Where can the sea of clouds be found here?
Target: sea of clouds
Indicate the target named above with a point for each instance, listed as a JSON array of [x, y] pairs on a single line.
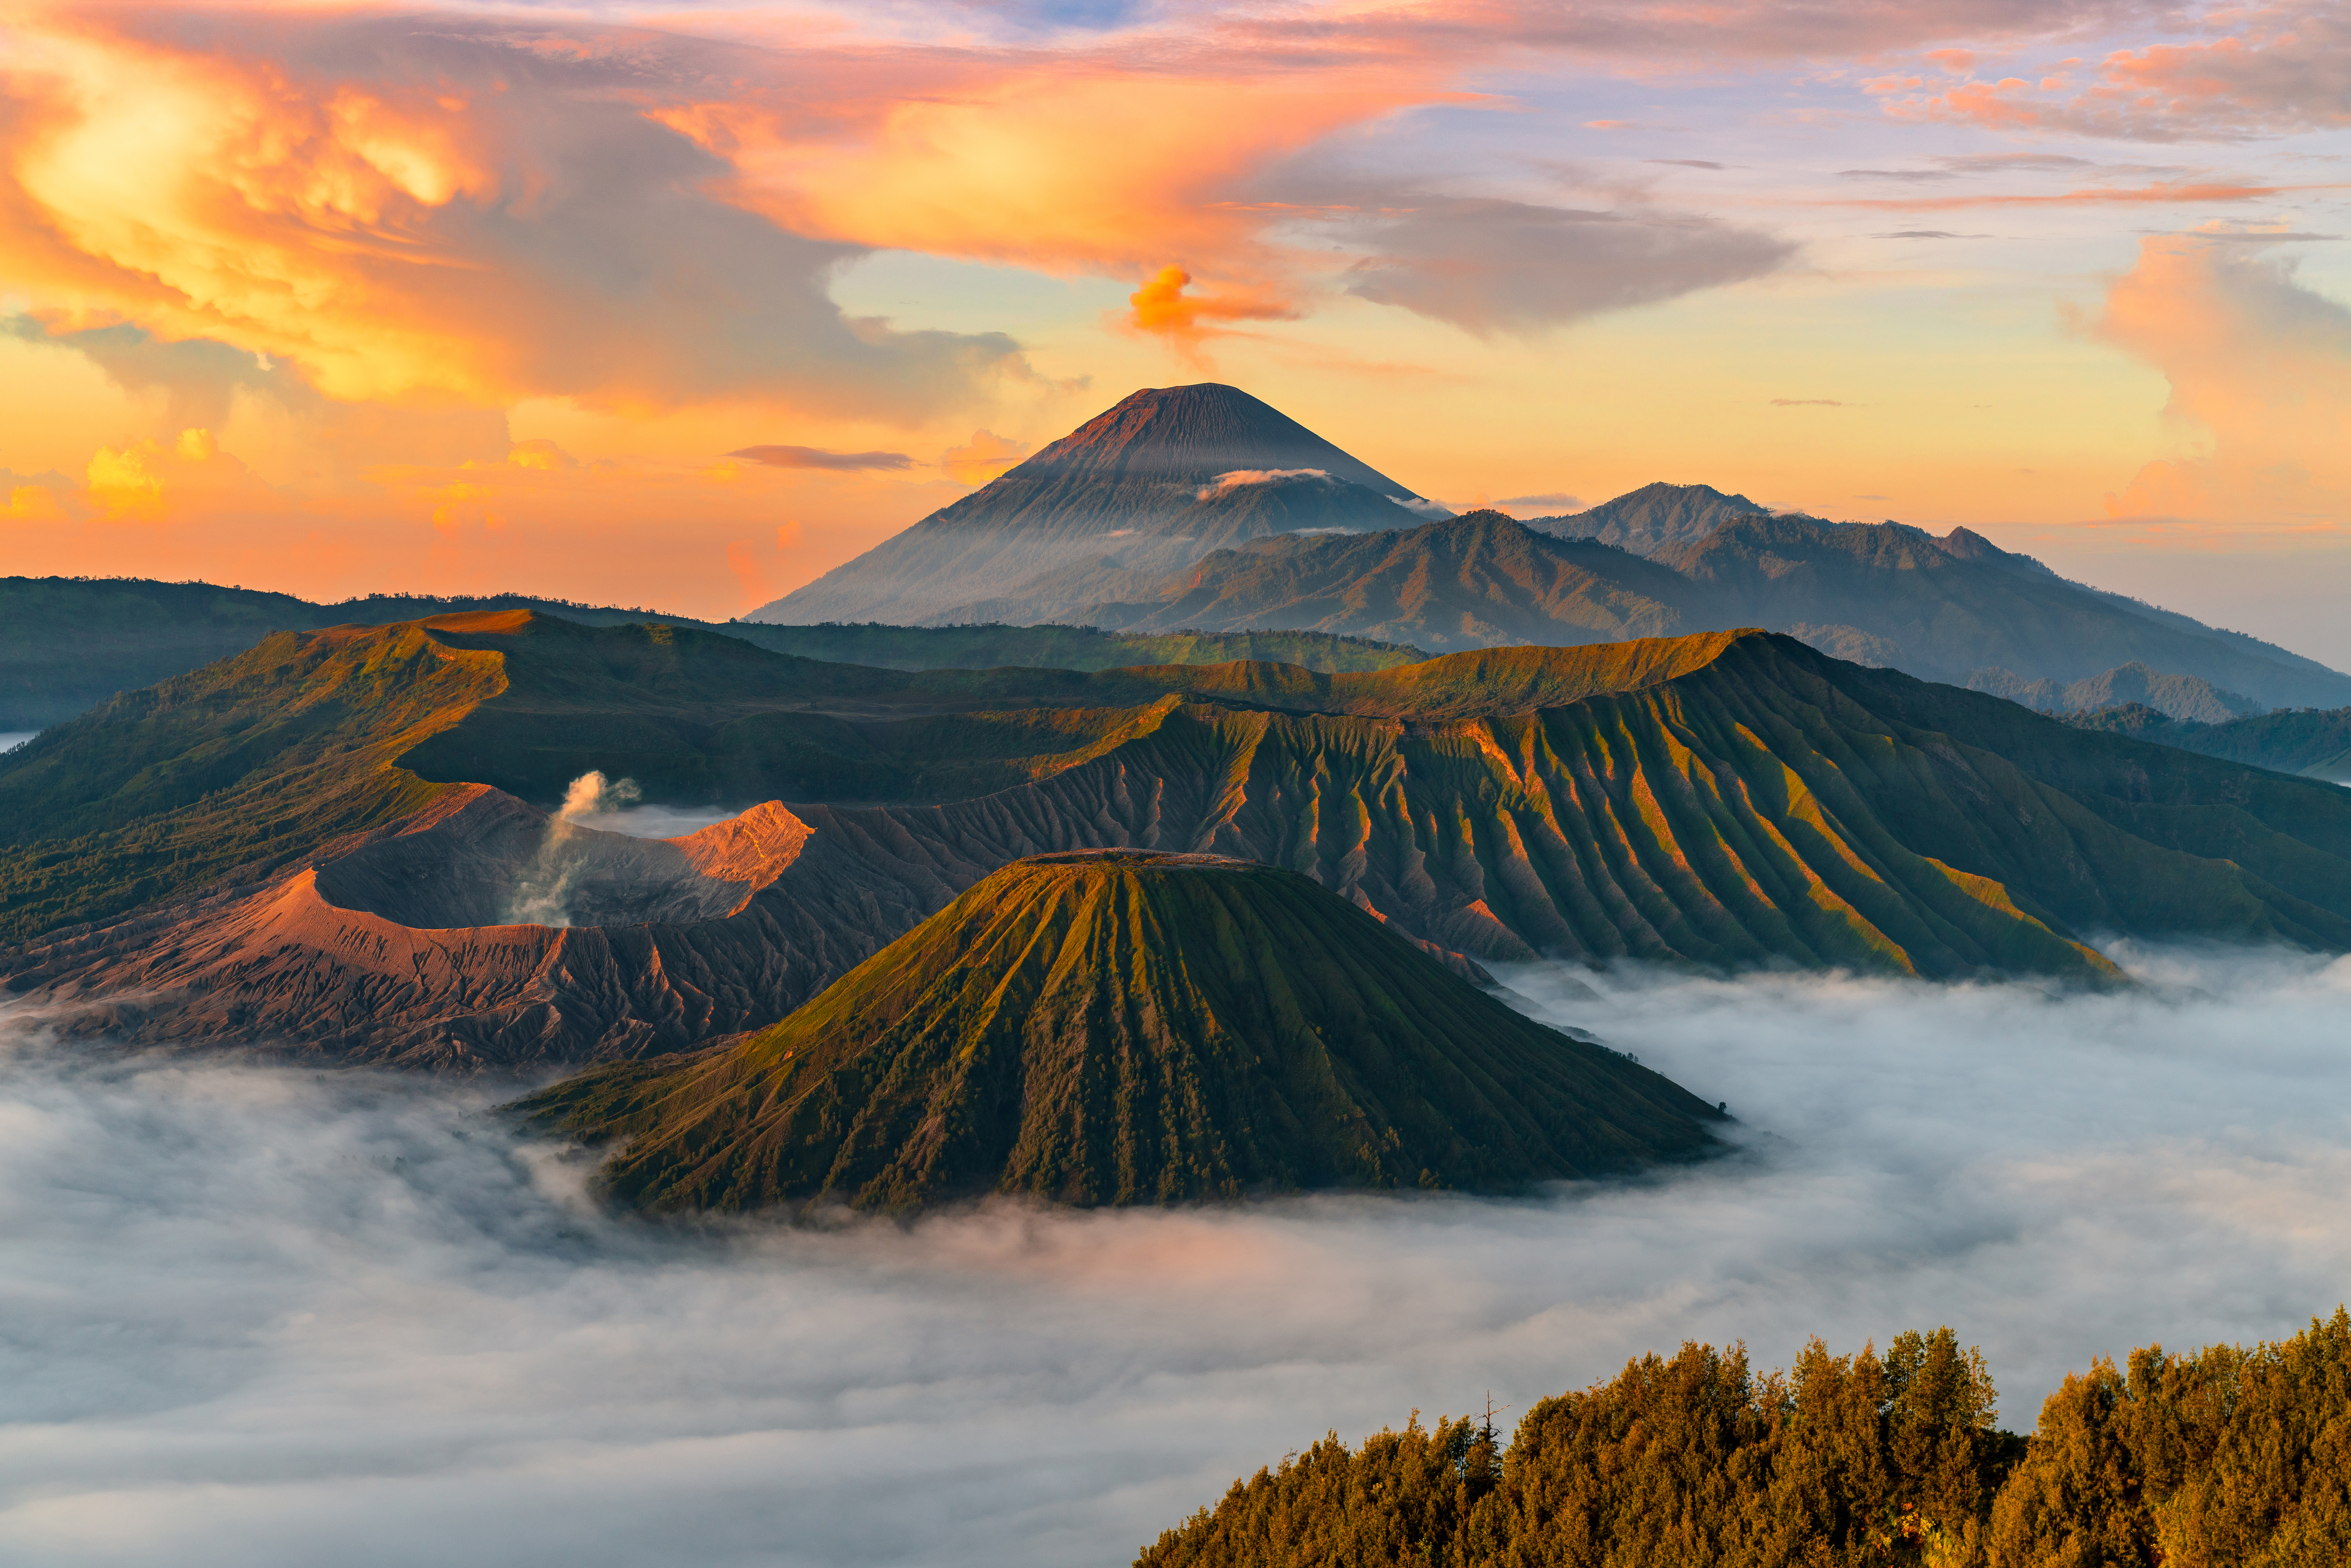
[[261, 1316]]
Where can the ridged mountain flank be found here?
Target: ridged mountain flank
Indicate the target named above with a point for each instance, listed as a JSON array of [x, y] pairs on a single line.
[[1140, 490], [1125, 1026], [248, 852]]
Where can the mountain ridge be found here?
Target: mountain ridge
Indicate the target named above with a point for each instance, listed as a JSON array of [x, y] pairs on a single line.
[[1726, 801], [1880, 593]]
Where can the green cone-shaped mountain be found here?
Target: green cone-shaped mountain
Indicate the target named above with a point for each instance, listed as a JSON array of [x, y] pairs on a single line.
[[1120, 1027]]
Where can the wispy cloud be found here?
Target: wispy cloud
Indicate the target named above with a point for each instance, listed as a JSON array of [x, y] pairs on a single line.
[[817, 458]]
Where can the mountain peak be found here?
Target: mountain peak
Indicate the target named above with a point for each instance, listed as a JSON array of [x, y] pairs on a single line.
[[1657, 518], [1143, 488], [1198, 434], [1119, 1026]]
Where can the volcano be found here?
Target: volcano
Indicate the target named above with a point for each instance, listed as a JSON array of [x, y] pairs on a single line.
[[1141, 490], [1109, 1026]]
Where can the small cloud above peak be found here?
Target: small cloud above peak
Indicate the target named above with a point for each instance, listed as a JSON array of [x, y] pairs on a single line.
[[1558, 499], [1806, 402], [1688, 162]]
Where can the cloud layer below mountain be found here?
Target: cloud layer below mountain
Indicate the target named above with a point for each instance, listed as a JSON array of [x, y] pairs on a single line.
[[264, 1316]]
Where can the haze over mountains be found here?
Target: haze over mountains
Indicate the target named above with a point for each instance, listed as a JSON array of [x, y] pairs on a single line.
[[1138, 520]]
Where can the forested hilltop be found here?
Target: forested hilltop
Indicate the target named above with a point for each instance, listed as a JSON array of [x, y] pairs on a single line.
[[2227, 1456]]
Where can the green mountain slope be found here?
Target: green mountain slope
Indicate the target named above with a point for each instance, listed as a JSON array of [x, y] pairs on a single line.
[[1115, 1028]]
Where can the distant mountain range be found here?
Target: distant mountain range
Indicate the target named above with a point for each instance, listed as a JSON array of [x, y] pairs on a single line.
[[1140, 490], [1955, 608], [2312, 742], [68, 644], [1128, 1027], [2190, 698], [1200, 506], [341, 840]]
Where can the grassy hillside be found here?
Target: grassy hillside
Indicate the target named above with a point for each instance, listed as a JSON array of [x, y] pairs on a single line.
[[1122, 1026], [2221, 1456], [235, 768]]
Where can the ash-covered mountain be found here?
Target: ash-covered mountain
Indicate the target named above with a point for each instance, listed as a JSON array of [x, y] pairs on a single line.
[[1139, 491]]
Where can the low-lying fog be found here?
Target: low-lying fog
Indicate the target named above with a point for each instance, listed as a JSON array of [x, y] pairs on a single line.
[[10, 739], [260, 1317]]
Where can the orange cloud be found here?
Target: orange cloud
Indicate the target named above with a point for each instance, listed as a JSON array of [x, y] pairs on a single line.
[[33, 503], [148, 481], [1065, 164], [410, 219], [749, 576], [2260, 368], [2286, 67], [981, 458], [1162, 306]]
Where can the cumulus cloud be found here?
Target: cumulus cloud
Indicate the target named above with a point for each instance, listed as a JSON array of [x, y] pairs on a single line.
[[817, 458], [1490, 265], [257, 1314], [2260, 368], [410, 210]]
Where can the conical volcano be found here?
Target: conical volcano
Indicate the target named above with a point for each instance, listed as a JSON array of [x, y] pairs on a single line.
[[1123, 1027], [1138, 491]]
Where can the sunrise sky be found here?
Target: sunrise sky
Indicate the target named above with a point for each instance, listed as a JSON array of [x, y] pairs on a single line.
[[471, 298]]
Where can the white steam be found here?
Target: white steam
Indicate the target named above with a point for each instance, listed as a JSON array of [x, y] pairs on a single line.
[[592, 793], [543, 894], [270, 1318]]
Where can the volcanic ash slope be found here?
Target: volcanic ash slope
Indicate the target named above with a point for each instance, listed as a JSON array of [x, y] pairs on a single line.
[[1124, 1027]]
